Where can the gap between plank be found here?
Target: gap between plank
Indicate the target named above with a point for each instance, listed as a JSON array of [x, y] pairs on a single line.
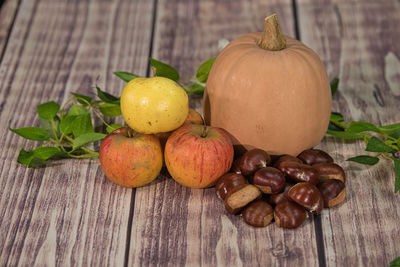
[[295, 20], [10, 29], [132, 205], [320, 240]]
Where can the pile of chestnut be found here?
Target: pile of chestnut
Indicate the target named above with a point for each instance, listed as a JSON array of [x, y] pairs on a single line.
[[284, 189]]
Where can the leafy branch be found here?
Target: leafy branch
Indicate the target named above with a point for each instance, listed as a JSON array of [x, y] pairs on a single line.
[[383, 140], [68, 134], [67, 131]]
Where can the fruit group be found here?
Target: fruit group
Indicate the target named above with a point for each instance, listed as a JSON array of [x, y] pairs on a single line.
[[293, 187], [279, 101], [130, 159], [196, 156], [154, 105]]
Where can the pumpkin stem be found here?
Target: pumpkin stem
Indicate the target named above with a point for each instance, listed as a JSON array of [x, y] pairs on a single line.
[[272, 37]]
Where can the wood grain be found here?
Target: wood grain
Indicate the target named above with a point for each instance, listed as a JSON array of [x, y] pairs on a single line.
[[359, 42], [174, 225], [8, 12], [67, 213]]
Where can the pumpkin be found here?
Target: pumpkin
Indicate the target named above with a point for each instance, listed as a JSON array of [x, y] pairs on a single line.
[[269, 91]]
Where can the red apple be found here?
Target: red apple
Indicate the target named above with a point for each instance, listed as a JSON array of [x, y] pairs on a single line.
[[130, 159], [196, 156]]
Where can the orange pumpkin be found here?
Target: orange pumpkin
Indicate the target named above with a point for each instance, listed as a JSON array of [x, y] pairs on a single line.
[[269, 91]]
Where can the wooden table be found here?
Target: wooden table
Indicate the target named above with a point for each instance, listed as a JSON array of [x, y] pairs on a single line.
[[69, 214]]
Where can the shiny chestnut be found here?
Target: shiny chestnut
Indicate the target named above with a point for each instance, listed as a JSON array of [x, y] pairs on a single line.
[[275, 199], [227, 182], [333, 192], [313, 156], [300, 172], [269, 180], [330, 171], [284, 158], [236, 167], [253, 160], [308, 196], [289, 214], [258, 213], [239, 196]]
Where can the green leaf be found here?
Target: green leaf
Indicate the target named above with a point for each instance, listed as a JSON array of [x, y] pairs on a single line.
[[345, 135], [360, 126], [204, 70], [364, 159], [196, 89], [395, 262], [82, 124], [334, 127], [46, 124], [336, 117], [334, 85], [397, 180], [77, 110], [83, 99], [48, 110], [390, 129], [111, 110], [125, 76], [29, 159], [45, 152], [113, 127], [106, 97], [164, 70], [397, 136], [377, 145], [87, 138], [32, 133], [67, 124]]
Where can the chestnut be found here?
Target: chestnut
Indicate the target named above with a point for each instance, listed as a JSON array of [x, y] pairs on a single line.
[[239, 196], [258, 213], [286, 158], [330, 171], [308, 196], [313, 156], [253, 160], [289, 214], [235, 166], [300, 172], [275, 199], [269, 180], [333, 192], [228, 181]]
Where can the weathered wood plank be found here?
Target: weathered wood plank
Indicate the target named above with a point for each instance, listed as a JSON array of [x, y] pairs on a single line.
[[67, 213], [359, 42], [174, 225], [8, 11]]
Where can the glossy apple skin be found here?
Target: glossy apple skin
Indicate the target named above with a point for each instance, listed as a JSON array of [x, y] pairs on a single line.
[[196, 161], [130, 161]]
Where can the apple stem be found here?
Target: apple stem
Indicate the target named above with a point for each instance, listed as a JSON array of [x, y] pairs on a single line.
[[204, 132], [131, 133]]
